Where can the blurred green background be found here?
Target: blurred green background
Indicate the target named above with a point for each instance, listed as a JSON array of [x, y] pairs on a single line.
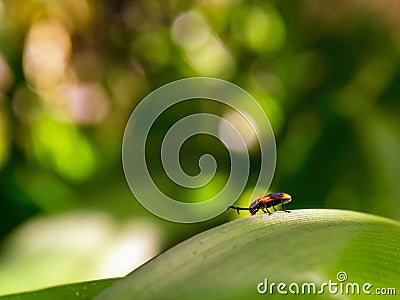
[[327, 74]]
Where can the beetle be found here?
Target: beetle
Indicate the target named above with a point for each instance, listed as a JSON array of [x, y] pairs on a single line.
[[263, 203]]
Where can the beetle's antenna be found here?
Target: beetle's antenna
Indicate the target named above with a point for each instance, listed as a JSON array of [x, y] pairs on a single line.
[[238, 208]]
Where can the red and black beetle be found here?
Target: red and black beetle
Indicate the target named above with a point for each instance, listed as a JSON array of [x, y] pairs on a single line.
[[263, 203]]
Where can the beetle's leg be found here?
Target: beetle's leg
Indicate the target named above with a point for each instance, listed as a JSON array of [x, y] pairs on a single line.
[[274, 208], [268, 211], [283, 207], [264, 208]]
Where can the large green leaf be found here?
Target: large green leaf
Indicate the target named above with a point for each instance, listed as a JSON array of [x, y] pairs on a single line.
[[78, 291], [303, 246]]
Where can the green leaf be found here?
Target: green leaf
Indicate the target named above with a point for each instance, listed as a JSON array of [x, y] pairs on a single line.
[[303, 246], [79, 291]]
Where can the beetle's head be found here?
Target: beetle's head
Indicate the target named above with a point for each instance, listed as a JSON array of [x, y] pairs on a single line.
[[254, 207]]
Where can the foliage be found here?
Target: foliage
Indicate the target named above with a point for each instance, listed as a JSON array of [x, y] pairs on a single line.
[[79, 291]]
